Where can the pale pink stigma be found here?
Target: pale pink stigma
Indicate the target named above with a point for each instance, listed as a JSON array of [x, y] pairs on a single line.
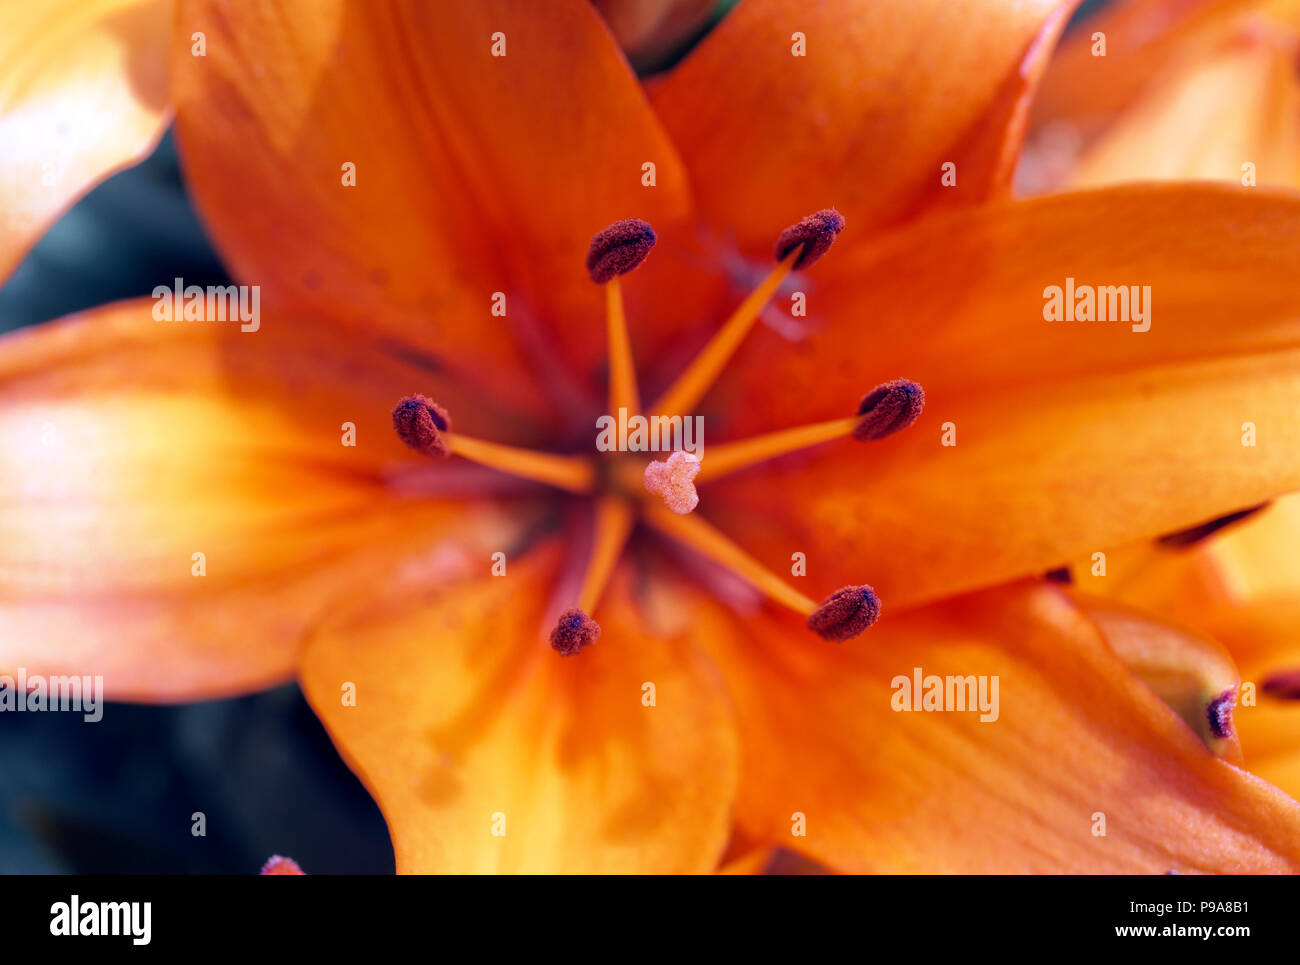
[[674, 481]]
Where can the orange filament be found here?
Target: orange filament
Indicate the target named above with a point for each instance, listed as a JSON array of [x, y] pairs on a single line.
[[685, 394], [572, 473], [728, 457], [694, 532], [613, 525], [622, 373]]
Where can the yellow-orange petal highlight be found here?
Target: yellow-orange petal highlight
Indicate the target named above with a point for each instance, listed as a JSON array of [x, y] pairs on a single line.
[[84, 92], [623, 759], [175, 513]]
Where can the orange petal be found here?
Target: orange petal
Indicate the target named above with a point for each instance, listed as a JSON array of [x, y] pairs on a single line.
[[487, 751], [1076, 738], [1192, 674], [1038, 475], [959, 299], [888, 92], [474, 174], [129, 445], [83, 94], [1144, 39], [1213, 116]]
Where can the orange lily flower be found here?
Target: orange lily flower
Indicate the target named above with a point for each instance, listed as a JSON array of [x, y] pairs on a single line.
[[1203, 90], [420, 602]]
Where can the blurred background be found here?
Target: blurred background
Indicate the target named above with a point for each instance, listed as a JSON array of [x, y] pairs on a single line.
[[118, 796]]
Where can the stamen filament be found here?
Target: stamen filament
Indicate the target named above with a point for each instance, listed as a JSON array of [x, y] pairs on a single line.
[[613, 525], [694, 532], [571, 473], [727, 457], [691, 386], [622, 373]]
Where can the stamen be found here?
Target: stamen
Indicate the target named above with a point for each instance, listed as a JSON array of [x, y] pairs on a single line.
[[1195, 534], [1284, 685], [622, 372], [573, 631], [1219, 713], [727, 457], [845, 613], [1059, 575], [887, 409], [618, 249], [419, 422], [613, 523], [695, 533], [813, 236], [673, 479], [426, 427], [797, 247]]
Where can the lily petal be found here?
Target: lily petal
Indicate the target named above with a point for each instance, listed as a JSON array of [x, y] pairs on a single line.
[[1076, 740], [83, 94], [887, 93], [489, 752], [1069, 437], [474, 174], [177, 502], [1212, 117]]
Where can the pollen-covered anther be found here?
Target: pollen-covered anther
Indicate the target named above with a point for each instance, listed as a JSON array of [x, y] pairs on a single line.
[[888, 408], [619, 248], [674, 480], [278, 865], [1219, 713], [815, 233], [1283, 685], [845, 613], [420, 422], [573, 631]]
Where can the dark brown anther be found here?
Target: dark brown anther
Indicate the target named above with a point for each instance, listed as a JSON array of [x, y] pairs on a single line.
[[888, 408], [1194, 534], [845, 613], [419, 422], [1219, 713], [574, 631], [816, 233], [618, 249]]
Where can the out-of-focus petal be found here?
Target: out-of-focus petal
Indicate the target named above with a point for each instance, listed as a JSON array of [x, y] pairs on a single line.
[[83, 94]]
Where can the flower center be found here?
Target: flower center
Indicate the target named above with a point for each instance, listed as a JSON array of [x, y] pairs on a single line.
[[627, 488]]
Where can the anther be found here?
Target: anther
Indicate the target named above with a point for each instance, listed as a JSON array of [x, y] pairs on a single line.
[[1219, 713], [1059, 575], [674, 480], [815, 233], [1284, 685], [419, 422], [888, 408], [574, 631], [618, 249], [845, 613], [1195, 534], [277, 865]]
